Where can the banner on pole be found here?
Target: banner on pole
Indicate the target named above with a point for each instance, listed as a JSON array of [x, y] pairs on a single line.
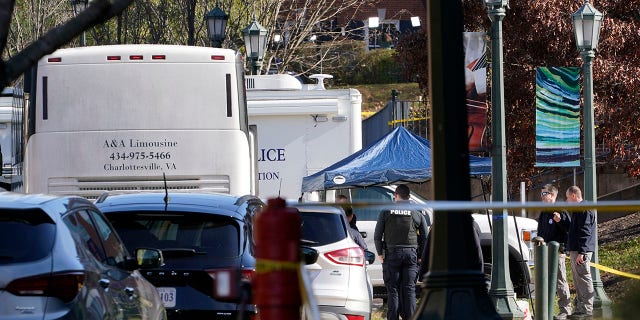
[[475, 51], [558, 117]]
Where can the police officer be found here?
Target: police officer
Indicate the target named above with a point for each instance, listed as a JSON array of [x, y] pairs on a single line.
[[553, 225], [399, 236]]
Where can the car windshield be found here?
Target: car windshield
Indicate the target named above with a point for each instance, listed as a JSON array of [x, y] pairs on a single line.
[[179, 234], [370, 194], [36, 232], [319, 229], [376, 194]]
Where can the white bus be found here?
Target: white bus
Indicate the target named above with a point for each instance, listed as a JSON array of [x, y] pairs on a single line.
[[134, 117]]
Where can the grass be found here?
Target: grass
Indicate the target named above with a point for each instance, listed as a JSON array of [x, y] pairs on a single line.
[[376, 96], [623, 292], [623, 255]]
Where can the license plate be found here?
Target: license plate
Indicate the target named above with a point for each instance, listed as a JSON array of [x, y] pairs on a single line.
[[168, 296]]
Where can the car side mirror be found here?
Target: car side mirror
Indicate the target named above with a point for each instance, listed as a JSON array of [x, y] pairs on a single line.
[[369, 256], [149, 258], [309, 255]]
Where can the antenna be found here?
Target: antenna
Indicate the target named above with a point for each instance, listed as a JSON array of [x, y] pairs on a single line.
[[280, 188], [166, 191]]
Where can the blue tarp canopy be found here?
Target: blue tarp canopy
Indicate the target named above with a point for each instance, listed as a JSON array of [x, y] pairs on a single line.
[[399, 156]]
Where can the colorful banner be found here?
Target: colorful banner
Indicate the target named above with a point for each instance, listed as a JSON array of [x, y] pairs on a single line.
[[558, 117], [476, 86]]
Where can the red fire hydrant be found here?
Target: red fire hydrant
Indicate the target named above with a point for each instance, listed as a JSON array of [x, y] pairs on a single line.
[[276, 286]]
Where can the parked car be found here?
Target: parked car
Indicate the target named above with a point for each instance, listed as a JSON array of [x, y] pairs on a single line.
[[60, 258], [340, 282], [199, 234]]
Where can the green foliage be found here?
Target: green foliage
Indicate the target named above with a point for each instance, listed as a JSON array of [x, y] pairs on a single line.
[[375, 66], [376, 96]]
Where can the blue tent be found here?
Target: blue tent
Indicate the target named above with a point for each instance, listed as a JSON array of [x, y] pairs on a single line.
[[398, 156]]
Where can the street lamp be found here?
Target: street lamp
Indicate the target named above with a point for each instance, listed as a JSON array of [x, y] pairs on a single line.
[[79, 6], [587, 22], [216, 23], [255, 40], [501, 291]]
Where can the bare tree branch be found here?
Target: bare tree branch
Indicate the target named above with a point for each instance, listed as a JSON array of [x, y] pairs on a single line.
[[98, 12]]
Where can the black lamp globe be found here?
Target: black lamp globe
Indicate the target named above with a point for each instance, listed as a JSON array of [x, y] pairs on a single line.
[[586, 22], [255, 41], [216, 23]]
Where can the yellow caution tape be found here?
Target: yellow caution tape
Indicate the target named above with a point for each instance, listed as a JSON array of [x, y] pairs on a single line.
[[393, 122], [265, 265], [607, 269], [614, 271]]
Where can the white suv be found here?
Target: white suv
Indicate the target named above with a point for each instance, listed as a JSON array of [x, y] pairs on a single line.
[[339, 278]]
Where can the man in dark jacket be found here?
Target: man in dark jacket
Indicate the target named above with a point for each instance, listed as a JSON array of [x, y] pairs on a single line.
[[399, 236], [580, 245], [553, 225], [353, 230]]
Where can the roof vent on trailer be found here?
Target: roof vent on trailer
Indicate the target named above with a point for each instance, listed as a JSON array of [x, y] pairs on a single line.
[[320, 80]]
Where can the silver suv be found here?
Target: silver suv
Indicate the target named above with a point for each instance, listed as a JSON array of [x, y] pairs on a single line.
[[61, 259]]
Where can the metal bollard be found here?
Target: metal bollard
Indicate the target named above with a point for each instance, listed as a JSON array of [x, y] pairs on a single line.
[[542, 284], [552, 252]]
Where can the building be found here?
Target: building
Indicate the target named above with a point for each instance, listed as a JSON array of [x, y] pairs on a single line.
[[382, 21]]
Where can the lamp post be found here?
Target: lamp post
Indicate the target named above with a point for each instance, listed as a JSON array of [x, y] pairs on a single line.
[[216, 23], [79, 6], [454, 286], [255, 40], [501, 291], [587, 21]]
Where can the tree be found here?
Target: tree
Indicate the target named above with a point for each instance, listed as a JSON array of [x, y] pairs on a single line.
[[540, 33], [311, 39], [616, 78], [412, 56], [45, 42]]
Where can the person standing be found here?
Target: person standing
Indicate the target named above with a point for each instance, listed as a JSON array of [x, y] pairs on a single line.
[[353, 231], [553, 225], [580, 245], [348, 210], [398, 238]]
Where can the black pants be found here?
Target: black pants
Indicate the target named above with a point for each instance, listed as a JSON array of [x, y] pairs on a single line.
[[400, 272]]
